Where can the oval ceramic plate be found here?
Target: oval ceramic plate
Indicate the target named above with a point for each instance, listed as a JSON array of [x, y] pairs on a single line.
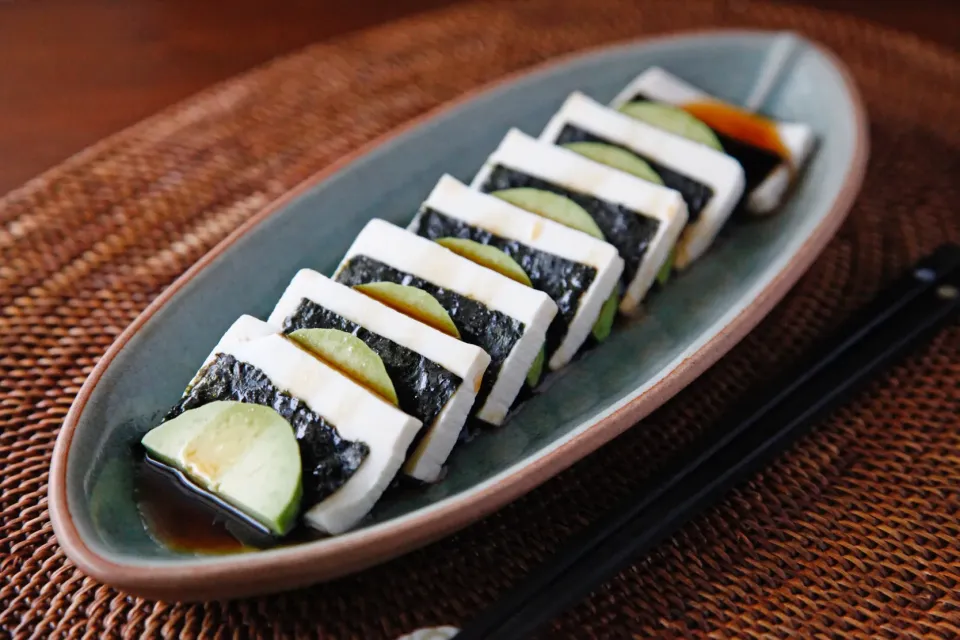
[[686, 328]]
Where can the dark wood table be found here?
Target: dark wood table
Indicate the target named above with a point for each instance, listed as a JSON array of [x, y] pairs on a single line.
[[74, 71]]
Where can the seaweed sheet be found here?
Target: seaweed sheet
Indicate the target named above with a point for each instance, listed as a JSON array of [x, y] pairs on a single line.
[[565, 281], [491, 330], [328, 460], [696, 194], [423, 387], [629, 232]]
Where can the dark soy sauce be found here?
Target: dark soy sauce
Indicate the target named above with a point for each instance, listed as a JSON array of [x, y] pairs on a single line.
[[744, 126], [752, 140], [186, 518]]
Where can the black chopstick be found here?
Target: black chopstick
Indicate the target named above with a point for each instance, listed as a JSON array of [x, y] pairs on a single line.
[[904, 314]]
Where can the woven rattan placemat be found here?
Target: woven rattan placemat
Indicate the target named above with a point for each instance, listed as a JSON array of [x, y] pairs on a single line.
[[854, 533]]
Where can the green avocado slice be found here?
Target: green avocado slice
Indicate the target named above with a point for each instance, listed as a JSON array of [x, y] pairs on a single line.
[[413, 302], [673, 119], [487, 256], [666, 269], [536, 369], [351, 355], [246, 454], [552, 206], [608, 313], [616, 158]]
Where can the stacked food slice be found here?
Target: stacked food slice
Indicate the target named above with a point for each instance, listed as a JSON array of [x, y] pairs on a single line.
[[641, 219], [503, 317], [351, 440], [771, 152], [709, 181], [577, 271], [368, 376], [435, 376]]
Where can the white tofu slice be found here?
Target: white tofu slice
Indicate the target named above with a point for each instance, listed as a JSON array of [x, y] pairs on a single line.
[[244, 329], [797, 138], [719, 172], [418, 257], [456, 200], [572, 172], [356, 413], [466, 361]]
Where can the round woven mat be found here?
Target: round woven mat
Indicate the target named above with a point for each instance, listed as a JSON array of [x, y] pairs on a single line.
[[854, 533]]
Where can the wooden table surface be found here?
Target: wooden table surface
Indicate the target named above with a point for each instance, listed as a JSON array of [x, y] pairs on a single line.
[[74, 71]]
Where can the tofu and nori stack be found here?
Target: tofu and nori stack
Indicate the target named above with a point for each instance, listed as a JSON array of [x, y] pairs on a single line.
[[710, 181], [436, 376], [770, 151], [313, 413], [351, 441], [577, 271], [641, 219], [501, 316]]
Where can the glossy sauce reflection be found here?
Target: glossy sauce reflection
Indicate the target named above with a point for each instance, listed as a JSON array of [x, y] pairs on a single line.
[[186, 519], [741, 125]]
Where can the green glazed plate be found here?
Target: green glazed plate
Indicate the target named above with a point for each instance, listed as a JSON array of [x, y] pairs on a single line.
[[685, 328]]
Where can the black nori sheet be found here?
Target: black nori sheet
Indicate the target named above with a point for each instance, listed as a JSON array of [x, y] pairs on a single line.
[[493, 331], [696, 194], [423, 387], [565, 281], [757, 163], [328, 460], [629, 232]]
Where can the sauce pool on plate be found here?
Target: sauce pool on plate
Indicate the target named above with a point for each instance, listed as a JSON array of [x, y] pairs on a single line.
[[187, 519]]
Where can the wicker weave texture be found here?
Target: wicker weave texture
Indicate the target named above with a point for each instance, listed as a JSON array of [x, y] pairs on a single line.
[[854, 533]]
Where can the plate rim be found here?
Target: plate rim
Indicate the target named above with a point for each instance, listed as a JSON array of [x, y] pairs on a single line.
[[301, 565]]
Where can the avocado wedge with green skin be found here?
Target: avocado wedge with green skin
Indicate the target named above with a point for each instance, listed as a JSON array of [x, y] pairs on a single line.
[[673, 119], [246, 454], [553, 207], [413, 302], [667, 268], [351, 355], [617, 158], [487, 256], [608, 313], [536, 369]]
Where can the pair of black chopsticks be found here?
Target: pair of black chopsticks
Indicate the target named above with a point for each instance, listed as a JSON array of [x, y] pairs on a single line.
[[903, 315]]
